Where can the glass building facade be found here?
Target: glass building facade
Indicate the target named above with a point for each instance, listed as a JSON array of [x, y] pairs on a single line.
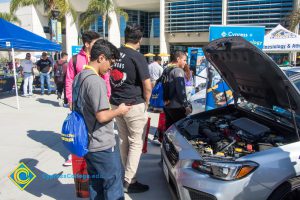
[[267, 13], [98, 26], [148, 20], [197, 15], [192, 15]]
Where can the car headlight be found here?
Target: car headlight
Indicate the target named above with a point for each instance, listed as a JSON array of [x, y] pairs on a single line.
[[225, 170]]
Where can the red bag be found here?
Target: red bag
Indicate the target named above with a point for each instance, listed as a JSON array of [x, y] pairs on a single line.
[[161, 127], [146, 136], [80, 169]]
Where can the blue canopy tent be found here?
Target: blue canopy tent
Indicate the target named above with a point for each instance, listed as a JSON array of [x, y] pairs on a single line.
[[13, 38]]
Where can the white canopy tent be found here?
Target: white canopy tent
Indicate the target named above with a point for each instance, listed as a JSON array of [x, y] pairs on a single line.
[[281, 40]]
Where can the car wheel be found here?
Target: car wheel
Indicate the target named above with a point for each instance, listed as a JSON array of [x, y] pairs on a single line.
[[289, 190]]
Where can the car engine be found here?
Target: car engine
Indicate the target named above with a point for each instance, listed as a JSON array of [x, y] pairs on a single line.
[[229, 136]]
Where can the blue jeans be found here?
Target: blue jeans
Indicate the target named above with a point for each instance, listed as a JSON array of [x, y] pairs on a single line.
[[44, 76], [105, 166]]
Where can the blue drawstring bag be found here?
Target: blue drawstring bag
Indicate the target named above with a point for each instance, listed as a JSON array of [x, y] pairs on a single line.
[[157, 96], [160, 92], [74, 133]]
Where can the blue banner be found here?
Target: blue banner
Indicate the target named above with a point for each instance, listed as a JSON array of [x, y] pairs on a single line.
[[76, 50], [53, 30], [218, 93], [195, 59], [253, 34]]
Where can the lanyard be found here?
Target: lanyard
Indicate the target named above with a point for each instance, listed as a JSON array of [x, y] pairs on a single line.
[[91, 68], [129, 46], [172, 65]]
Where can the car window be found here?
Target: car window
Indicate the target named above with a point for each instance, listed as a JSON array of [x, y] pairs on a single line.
[[297, 83], [290, 73]]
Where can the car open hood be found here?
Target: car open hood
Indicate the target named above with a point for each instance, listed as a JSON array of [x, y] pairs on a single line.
[[251, 73]]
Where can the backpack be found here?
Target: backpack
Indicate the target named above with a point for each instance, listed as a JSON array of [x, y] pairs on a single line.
[[59, 72], [160, 92], [74, 130]]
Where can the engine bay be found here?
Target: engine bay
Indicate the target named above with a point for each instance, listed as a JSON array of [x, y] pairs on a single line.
[[231, 135]]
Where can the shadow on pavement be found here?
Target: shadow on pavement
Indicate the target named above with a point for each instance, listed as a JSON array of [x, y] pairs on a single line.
[[47, 184], [49, 139], [152, 130], [4, 95], [15, 107], [45, 101]]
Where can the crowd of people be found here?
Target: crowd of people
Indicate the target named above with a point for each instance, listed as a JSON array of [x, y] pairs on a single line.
[[112, 87]]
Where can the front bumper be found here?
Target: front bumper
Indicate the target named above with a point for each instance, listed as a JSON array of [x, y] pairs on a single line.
[[189, 184]]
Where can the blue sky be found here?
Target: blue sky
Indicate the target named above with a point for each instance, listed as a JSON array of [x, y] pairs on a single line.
[[1, 1]]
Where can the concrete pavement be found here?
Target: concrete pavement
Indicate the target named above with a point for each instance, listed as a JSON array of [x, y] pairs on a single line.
[[31, 135]]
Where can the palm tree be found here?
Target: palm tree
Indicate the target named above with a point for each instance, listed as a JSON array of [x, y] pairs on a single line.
[[294, 19], [96, 8], [10, 17], [63, 6]]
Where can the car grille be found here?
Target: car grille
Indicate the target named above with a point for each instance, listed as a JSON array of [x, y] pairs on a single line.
[[197, 195], [170, 150]]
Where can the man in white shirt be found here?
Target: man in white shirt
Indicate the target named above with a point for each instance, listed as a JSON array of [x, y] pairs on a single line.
[[27, 66], [155, 70]]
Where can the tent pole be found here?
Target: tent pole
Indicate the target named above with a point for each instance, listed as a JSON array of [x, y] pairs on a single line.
[[15, 77]]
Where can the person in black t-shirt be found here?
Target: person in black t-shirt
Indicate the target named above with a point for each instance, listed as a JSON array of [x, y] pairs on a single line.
[[130, 82], [44, 67]]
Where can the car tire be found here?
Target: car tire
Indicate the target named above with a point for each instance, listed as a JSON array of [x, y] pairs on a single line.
[[289, 190]]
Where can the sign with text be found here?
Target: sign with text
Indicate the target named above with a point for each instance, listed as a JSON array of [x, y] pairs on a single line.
[[218, 94], [76, 50], [253, 34]]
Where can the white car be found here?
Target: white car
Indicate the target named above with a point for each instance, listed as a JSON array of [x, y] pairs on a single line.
[[249, 150]]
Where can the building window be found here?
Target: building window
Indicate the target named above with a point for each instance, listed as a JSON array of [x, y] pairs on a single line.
[[156, 49], [192, 15], [144, 49], [97, 26], [267, 13], [178, 48], [148, 20]]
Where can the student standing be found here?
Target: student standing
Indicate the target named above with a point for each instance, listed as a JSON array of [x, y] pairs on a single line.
[[155, 70], [177, 106], [60, 70], [27, 66], [103, 159], [44, 67], [130, 81]]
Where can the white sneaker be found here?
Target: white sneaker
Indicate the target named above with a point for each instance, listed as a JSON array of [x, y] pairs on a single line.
[[69, 161]]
